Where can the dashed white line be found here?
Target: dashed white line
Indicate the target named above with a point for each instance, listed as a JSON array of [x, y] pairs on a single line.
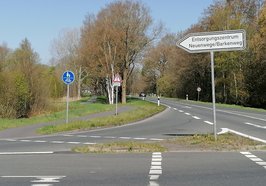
[[40, 141], [109, 137], [187, 113], [208, 122], [140, 138], [12, 140], [57, 142], [180, 111], [95, 136], [125, 137], [156, 139], [67, 135], [195, 117], [82, 136], [255, 125], [73, 142], [23, 153], [89, 143], [156, 168], [175, 108], [254, 158]]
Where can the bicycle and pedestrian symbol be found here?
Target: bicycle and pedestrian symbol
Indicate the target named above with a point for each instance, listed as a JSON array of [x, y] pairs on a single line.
[[68, 77]]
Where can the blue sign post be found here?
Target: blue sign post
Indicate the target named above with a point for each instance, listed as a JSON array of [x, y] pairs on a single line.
[[68, 77]]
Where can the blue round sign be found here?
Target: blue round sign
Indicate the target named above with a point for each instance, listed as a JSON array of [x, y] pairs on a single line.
[[68, 77]]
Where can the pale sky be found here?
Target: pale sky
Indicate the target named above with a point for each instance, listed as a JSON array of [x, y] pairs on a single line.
[[41, 20]]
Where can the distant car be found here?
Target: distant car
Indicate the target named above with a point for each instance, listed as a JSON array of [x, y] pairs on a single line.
[[142, 94]]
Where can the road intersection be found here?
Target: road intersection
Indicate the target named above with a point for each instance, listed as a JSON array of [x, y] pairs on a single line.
[[47, 160]]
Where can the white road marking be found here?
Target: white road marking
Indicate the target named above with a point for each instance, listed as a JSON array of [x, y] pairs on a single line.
[[57, 142], [208, 122], [156, 139], [140, 138], [10, 140], [262, 163], [82, 136], [195, 117], [156, 163], [258, 126], [40, 180], [125, 137], [24, 153], [95, 136], [156, 168], [68, 135], [40, 141], [245, 135], [187, 113], [154, 177], [251, 156], [89, 143], [180, 111], [25, 140], [156, 159], [175, 108], [254, 158], [245, 153], [109, 137], [155, 172], [73, 142]]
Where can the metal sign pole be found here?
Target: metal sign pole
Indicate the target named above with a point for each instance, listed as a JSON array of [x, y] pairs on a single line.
[[67, 101], [116, 97], [213, 96]]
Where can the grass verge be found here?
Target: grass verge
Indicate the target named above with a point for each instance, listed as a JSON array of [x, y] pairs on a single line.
[[225, 142], [124, 146], [76, 109], [142, 109]]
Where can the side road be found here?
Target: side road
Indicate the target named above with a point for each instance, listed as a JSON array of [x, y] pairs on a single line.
[[30, 130]]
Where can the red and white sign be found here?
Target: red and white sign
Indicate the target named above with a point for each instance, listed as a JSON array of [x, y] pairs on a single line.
[[117, 79]]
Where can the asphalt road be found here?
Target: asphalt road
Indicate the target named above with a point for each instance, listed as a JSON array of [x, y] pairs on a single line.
[[46, 160], [176, 169]]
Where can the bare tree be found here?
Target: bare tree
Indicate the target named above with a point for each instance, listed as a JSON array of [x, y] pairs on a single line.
[[65, 51], [119, 34]]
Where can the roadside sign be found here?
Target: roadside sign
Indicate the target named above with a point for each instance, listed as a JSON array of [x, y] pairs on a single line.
[[117, 79], [116, 84], [228, 40], [213, 41], [198, 89], [68, 77]]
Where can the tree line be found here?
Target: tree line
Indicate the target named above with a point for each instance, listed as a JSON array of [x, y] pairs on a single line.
[[122, 39], [239, 75]]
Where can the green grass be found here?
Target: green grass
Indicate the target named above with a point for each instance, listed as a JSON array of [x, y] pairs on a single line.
[[142, 109], [76, 109]]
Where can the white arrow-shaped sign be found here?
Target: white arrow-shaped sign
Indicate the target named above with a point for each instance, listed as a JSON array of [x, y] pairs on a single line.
[[214, 41]]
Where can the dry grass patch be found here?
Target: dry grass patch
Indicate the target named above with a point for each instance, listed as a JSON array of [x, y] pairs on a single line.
[[124, 147]]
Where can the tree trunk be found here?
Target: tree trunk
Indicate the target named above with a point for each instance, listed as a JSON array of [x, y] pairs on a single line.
[[79, 83]]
